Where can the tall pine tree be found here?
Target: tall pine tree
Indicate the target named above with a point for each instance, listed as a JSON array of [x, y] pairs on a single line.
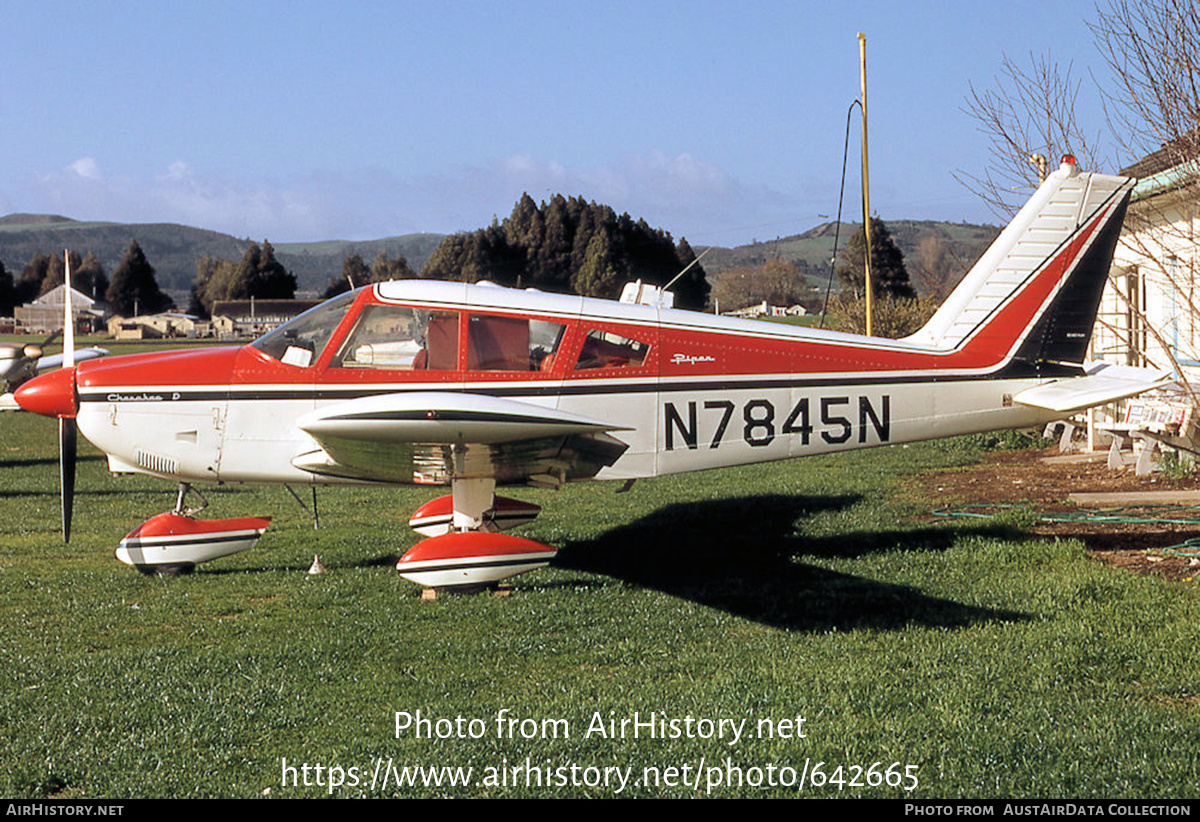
[[134, 290], [89, 277], [8, 292], [390, 268], [258, 275], [573, 246], [889, 277]]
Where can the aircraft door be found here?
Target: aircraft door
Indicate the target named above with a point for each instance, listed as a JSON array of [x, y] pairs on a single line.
[[614, 379]]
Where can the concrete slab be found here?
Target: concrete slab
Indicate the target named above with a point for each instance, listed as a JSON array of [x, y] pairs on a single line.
[[1117, 499], [1077, 459]]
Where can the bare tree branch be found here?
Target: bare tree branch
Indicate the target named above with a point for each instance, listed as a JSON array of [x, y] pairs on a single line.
[[1152, 48], [1030, 111]]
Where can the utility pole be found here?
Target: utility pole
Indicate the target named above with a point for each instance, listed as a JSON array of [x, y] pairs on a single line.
[[866, 191]]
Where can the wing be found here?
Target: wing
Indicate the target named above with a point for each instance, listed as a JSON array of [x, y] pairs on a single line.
[[431, 437], [1104, 383]]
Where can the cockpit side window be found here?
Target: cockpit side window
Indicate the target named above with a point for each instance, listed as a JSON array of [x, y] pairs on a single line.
[[400, 337], [604, 349], [300, 341], [503, 343]]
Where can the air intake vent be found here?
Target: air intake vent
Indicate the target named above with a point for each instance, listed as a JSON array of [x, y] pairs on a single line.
[[157, 463]]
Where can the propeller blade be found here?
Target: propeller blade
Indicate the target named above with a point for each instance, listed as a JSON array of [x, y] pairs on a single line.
[[68, 315], [68, 440]]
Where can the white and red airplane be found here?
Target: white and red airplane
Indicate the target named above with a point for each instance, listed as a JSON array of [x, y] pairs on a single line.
[[474, 386]]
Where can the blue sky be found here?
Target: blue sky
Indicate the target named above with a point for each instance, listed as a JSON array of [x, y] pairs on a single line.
[[721, 122]]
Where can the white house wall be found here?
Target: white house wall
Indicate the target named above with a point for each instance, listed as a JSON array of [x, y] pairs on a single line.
[[1158, 249]]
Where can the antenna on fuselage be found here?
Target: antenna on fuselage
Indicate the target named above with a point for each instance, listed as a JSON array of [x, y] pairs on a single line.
[[687, 267]]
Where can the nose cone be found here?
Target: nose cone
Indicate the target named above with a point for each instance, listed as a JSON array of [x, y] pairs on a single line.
[[51, 395]]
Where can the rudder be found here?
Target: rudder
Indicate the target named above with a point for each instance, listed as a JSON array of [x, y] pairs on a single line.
[[1035, 291]]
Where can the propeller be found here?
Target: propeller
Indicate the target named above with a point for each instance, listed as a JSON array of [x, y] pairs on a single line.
[[34, 351], [68, 440], [68, 430], [55, 394], [22, 361]]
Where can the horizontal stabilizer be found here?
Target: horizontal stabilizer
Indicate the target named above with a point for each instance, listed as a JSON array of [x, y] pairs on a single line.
[[1103, 384]]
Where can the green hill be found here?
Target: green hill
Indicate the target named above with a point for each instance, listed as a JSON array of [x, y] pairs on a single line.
[[314, 263], [936, 254], [173, 249]]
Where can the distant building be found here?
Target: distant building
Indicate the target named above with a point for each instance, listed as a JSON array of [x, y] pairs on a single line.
[[158, 326], [764, 309], [250, 318], [45, 314]]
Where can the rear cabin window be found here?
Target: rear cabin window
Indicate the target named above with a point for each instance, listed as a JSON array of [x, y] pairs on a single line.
[[401, 338], [603, 349], [501, 343]]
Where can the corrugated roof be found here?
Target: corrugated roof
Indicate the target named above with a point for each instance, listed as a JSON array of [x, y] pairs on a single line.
[[262, 308], [1176, 152]]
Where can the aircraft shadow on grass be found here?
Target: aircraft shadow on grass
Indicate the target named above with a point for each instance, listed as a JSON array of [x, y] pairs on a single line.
[[99, 492], [737, 555], [104, 492], [38, 461]]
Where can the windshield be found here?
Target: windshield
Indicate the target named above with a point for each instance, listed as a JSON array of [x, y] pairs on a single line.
[[301, 340]]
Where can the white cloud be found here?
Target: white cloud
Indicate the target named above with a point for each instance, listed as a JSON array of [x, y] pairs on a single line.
[[178, 170], [677, 192], [86, 167]]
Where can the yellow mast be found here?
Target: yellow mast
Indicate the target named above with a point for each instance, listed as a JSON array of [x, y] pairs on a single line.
[[862, 57]]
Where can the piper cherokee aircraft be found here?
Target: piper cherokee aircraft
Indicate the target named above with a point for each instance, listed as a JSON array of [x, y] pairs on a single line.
[[476, 386]]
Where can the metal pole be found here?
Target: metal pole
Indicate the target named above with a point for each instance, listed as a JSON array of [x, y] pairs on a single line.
[[862, 57]]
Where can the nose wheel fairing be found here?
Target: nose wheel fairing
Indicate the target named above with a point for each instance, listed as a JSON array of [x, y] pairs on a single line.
[[172, 543]]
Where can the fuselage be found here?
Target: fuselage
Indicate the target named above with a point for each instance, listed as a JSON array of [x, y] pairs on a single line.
[[682, 390]]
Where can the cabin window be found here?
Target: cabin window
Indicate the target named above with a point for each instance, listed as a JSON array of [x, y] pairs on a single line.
[[501, 343], [300, 341], [603, 349], [402, 338]]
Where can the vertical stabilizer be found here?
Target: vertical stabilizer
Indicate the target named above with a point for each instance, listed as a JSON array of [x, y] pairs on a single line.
[[1056, 251]]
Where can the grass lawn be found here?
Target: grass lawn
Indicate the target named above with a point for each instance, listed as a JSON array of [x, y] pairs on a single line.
[[993, 664]]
